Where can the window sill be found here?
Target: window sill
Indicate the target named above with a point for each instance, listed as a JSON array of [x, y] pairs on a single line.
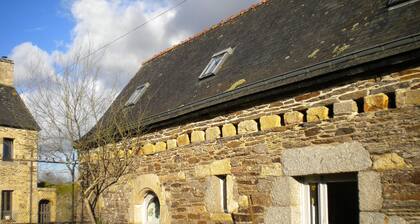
[[221, 217], [7, 161]]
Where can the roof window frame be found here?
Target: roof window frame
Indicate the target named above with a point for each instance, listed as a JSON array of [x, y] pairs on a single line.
[[207, 72], [137, 94], [394, 4]]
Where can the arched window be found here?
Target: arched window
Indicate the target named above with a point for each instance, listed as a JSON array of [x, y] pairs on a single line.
[[152, 208], [44, 211]]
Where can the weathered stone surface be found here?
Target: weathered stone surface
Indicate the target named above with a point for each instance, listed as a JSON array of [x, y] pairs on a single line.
[[247, 126], [375, 102], [314, 114], [228, 130], [282, 215], [220, 167], [344, 131], [212, 133], [396, 220], [213, 196], [319, 159], [307, 96], [407, 97], [197, 136], [285, 192], [198, 209], [269, 122], [271, 170], [389, 161], [372, 218], [354, 95], [293, 117], [148, 149], [221, 217], [173, 177], [345, 107], [243, 201], [202, 171], [171, 143], [160, 146], [183, 140], [232, 205], [370, 191]]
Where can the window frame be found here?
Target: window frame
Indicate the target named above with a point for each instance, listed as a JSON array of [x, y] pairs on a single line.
[[224, 55], [5, 212], [137, 94], [223, 192], [10, 152], [321, 181]]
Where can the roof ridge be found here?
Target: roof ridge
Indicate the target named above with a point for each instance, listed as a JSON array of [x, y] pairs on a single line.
[[199, 34]]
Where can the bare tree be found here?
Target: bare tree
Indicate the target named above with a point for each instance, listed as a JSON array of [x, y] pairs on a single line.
[[69, 106]]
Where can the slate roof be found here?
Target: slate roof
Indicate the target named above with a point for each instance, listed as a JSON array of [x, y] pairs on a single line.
[[13, 112], [277, 45]]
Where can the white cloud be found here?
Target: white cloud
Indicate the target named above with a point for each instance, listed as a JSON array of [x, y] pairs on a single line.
[[97, 22], [31, 63]]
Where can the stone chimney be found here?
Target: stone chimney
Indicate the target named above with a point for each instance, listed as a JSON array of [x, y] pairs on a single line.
[[6, 71]]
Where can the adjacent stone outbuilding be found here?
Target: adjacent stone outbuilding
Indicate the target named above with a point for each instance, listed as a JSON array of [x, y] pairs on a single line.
[[286, 113]]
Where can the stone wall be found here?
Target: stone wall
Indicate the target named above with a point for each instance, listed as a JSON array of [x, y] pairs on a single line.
[[20, 175], [377, 120], [16, 175]]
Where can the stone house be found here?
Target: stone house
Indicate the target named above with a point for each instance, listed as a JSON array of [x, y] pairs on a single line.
[[290, 112], [21, 200]]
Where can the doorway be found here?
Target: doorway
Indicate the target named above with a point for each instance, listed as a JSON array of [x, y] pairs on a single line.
[[44, 211]]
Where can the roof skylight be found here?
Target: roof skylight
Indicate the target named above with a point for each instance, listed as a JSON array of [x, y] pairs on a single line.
[[215, 63], [135, 96]]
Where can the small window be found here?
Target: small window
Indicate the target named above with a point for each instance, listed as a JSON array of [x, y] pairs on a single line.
[[138, 92], [223, 192], [7, 149], [330, 199], [152, 205], [216, 63], [6, 205]]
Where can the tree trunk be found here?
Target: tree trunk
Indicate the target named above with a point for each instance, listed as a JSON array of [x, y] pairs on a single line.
[[89, 211]]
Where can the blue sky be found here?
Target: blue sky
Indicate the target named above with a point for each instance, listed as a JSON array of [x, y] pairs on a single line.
[[44, 23]]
